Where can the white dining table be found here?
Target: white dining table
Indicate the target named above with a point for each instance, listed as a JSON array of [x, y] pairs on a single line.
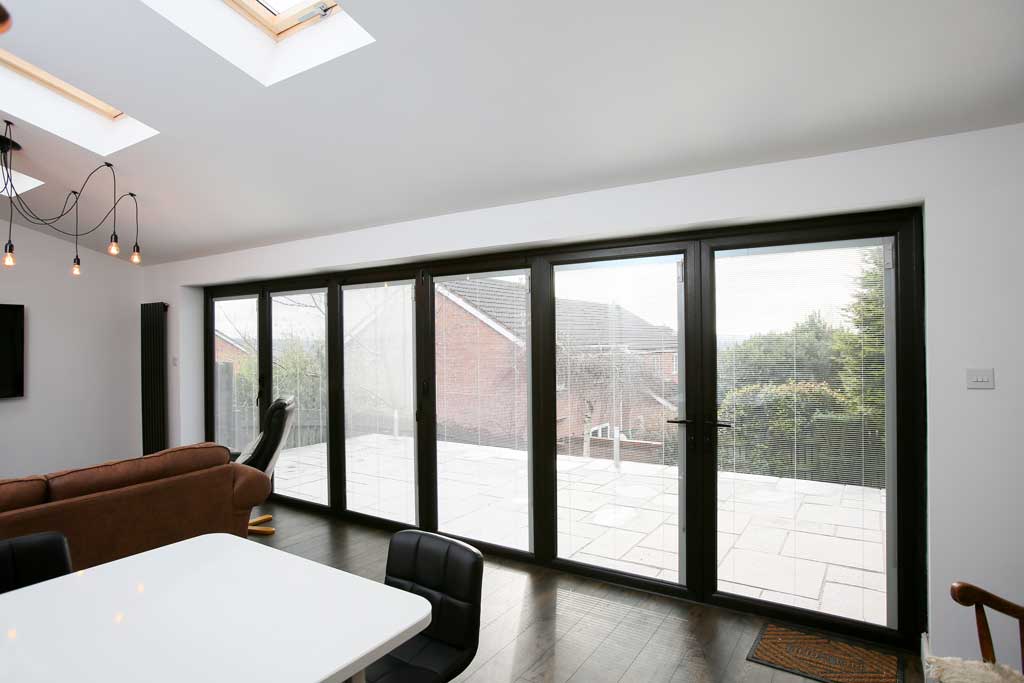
[[213, 608]]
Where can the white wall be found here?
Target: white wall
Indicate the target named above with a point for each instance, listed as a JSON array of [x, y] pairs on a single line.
[[82, 358], [971, 187]]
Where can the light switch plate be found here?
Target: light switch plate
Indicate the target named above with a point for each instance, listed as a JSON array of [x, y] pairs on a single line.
[[981, 378]]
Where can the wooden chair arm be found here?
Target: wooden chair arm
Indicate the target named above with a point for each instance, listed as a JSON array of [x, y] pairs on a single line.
[[969, 595]]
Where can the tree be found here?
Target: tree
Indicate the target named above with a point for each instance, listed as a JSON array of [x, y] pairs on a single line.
[[810, 401], [773, 426], [861, 350], [807, 352], [861, 354], [300, 368]]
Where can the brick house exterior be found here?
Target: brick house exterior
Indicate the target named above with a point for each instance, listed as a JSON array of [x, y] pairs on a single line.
[[236, 417], [617, 373], [228, 350], [482, 366]]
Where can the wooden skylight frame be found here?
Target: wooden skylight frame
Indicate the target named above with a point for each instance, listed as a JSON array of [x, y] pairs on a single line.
[[48, 80], [280, 26]]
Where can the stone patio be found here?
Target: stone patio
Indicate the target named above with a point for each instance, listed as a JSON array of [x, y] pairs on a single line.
[[809, 544]]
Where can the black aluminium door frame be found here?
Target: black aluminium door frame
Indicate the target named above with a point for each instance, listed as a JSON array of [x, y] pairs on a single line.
[[212, 294], [426, 307], [547, 417], [904, 224], [426, 390], [426, 403], [335, 420]]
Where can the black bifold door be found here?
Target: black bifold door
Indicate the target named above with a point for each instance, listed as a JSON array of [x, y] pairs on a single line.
[[732, 415]]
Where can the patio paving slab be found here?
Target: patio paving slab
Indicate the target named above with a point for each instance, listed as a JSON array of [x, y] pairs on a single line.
[[665, 537], [773, 572], [835, 550], [815, 545], [840, 515], [625, 517], [613, 543], [762, 538], [853, 602]]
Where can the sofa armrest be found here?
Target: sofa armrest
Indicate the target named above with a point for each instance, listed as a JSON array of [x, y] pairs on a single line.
[[251, 487]]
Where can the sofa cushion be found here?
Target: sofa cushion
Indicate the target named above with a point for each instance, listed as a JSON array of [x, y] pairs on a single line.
[[118, 474], [22, 493]]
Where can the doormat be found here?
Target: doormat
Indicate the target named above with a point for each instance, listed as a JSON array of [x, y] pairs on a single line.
[[822, 658]]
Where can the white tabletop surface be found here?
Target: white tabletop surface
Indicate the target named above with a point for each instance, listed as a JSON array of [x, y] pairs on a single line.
[[212, 608]]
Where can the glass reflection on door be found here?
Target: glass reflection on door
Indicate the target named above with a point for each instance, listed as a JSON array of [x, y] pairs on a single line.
[[805, 456], [619, 401], [299, 355], [482, 361], [380, 419], [236, 371]]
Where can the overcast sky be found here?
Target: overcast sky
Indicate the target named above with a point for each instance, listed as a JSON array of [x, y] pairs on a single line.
[[756, 291]]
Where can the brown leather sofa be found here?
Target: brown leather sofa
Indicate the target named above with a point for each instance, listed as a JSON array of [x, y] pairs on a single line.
[[124, 507]]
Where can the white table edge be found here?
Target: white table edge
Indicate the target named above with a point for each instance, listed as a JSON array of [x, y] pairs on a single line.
[[356, 668], [352, 668]]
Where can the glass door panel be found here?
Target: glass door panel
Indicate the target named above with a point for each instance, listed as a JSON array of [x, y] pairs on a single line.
[[482, 361], [236, 371], [620, 406], [299, 346], [379, 345], [806, 384]]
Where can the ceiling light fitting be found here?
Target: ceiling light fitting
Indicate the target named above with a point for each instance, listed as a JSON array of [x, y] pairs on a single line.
[[8, 146]]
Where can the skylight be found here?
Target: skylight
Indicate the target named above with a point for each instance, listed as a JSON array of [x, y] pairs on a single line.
[[283, 18], [283, 7], [45, 101], [22, 183], [48, 80], [251, 33]]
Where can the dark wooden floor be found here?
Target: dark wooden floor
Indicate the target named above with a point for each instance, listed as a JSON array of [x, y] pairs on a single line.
[[542, 625]]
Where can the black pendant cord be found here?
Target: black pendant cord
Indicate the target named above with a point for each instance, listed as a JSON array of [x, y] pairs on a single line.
[[10, 216], [26, 211], [21, 205], [132, 195], [113, 236], [71, 203], [95, 227], [76, 229], [31, 216]]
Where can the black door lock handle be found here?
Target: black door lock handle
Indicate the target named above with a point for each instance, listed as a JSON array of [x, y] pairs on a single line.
[[726, 425]]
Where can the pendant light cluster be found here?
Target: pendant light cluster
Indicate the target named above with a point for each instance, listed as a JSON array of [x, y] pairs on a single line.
[[17, 203]]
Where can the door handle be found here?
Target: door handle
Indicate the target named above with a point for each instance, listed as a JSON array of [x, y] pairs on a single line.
[[726, 425]]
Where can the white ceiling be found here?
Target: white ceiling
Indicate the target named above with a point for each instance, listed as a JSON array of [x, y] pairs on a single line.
[[465, 104]]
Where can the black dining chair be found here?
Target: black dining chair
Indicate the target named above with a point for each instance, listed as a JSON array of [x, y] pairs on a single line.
[[449, 574], [26, 560], [266, 448]]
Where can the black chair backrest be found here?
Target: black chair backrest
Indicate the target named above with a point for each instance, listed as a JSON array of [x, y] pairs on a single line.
[[278, 423], [446, 572], [26, 560]]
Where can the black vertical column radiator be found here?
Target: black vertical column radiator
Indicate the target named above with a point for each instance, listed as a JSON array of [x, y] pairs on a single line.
[[154, 377]]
